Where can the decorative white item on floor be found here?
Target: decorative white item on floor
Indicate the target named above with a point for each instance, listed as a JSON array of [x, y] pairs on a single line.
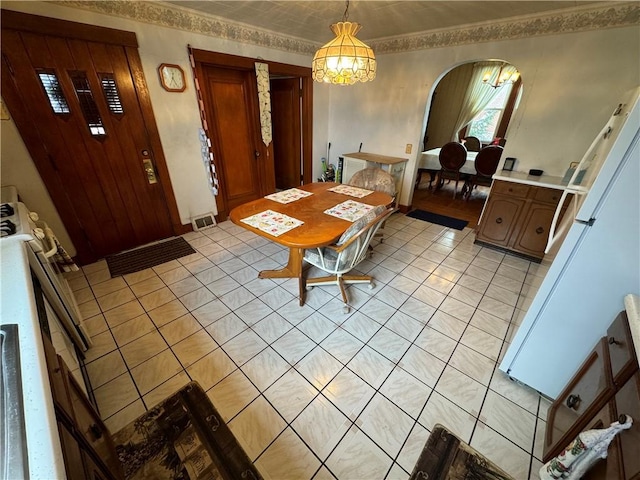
[[583, 452]]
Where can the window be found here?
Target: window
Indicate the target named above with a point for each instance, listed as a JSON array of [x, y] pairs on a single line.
[[52, 88], [88, 104], [111, 94], [486, 123]]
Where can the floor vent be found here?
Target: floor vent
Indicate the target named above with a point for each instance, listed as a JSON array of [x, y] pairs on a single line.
[[205, 221]]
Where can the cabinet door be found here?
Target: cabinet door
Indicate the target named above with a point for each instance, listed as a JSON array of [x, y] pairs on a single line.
[[499, 219], [71, 453], [628, 403], [609, 468], [532, 239], [585, 395], [621, 351]]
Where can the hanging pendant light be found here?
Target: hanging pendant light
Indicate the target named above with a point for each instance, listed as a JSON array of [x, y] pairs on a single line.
[[506, 74], [345, 60]]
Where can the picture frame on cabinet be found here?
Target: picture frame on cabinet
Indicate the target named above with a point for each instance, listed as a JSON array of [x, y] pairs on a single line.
[[509, 163]]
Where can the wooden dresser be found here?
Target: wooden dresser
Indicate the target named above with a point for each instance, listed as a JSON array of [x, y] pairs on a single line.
[[606, 386]]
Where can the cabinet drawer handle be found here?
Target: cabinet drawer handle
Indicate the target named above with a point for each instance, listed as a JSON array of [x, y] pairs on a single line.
[[539, 230], [613, 341], [499, 220], [95, 430], [573, 401]]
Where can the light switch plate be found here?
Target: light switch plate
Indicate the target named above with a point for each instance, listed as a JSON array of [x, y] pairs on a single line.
[[408, 148]]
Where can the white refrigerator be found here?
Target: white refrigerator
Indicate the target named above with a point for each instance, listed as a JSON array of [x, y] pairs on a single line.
[[597, 262]]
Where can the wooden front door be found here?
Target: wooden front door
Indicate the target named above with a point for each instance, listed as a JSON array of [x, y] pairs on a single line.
[[230, 99], [79, 108], [287, 135]]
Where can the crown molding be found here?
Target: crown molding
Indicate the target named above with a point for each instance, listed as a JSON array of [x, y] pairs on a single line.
[[605, 15]]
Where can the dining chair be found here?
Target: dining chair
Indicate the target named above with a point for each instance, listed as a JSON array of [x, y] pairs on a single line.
[[486, 165], [378, 180], [472, 144], [453, 156], [343, 256]]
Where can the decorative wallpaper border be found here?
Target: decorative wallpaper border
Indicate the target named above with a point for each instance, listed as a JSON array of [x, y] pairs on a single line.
[[158, 13]]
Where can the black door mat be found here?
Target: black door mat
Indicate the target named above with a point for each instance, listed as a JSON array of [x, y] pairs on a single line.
[[438, 219], [147, 257], [182, 438]]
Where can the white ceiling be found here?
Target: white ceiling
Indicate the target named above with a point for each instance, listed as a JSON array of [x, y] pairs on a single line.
[[310, 20]]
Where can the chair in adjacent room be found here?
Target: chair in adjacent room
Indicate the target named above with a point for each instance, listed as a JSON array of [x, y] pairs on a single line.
[[378, 180], [453, 156], [472, 144], [343, 256], [486, 165]]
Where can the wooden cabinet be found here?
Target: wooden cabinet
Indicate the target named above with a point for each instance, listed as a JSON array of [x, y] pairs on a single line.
[[517, 217], [606, 386], [87, 446]]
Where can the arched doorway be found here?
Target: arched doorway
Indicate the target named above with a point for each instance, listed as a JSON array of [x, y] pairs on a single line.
[[475, 99]]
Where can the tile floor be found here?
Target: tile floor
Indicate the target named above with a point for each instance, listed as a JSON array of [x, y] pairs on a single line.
[[312, 392]]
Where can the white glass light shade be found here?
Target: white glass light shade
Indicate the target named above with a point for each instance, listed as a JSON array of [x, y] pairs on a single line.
[[345, 60]]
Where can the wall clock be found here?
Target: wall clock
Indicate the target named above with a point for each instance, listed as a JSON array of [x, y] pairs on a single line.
[[172, 77]]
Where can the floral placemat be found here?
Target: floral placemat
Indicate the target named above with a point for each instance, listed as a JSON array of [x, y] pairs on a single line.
[[273, 223], [349, 210], [351, 191], [288, 196]]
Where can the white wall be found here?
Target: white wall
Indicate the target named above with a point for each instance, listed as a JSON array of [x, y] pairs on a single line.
[[571, 83]]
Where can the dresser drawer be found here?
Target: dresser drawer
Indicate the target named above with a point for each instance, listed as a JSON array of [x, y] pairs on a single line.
[[546, 195], [628, 402], [621, 351], [584, 396], [511, 189]]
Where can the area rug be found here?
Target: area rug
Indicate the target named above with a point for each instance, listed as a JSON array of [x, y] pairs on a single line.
[[182, 438], [147, 257], [446, 457], [438, 219]]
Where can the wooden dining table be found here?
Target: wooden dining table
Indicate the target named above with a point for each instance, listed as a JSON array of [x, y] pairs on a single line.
[[319, 229]]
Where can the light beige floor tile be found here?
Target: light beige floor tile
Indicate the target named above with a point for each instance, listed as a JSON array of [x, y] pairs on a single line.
[[198, 265], [226, 328], [147, 286], [447, 324], [342, 345], [115, 299], [288, 458], [321, 425], [457, 309], [158, 369], [397, 473], [349, 393], [290, 394], [123, 313], [404, 325], [115, 395], [524, 396], [143, 348], [538, 445], [210, 312], [512, 273], [439, 284], [466, 295], [197, 298], [167, 313], [78, 283], [293, 345], [422, 365], [358, 457], [502, 294], [481, 342], [361, 326], [95, 325], [536, 465], [179, 329], [377, 310], [155, 299], [186, 285], [105, 369], [102, 344], [265, 368], [99, 276], [473, 283], [389, 344], [166, 389], [316, 326], [429, 296], [194, 347], [210, 369], [507, 418], [372, 367], [100, 265], [324, 474], [441, 411], [132, 329], [412, 449], [461, 389], [501, 451], [405, 391], [386, 424], [474, 364], [137, 277], [490, 324], [125, 416], [496, 308], [165, 267], [175, 275], [318, 367], [436, 343], [232, 394], [89, 309], [404, 284], [256, 427], [83, 295], [252, 312]]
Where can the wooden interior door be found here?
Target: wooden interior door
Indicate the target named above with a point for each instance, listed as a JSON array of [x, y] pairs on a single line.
[[77, 107], [287, 134], [242, 160]]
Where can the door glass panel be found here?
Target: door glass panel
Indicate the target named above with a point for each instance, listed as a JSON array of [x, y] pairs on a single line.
[[88, 104], [51, 85], [111, 93]]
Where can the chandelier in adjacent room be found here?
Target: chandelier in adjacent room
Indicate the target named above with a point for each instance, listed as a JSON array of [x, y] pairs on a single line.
[[345, 60]]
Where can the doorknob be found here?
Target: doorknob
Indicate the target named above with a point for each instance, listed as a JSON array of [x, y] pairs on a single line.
[[150, 171]]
